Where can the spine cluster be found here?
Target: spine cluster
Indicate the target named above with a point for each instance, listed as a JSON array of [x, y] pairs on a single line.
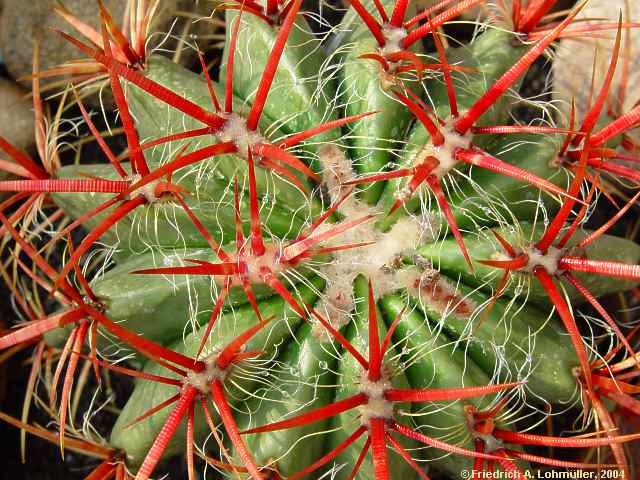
[[343, 257]]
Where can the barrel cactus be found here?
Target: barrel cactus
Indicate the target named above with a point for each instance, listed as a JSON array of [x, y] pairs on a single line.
[[344, 258]]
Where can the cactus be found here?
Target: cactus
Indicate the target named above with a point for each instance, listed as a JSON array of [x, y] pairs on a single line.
[[343, 259]]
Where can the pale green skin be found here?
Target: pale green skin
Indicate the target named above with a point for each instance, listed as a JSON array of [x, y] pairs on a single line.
[[305, 382], [296, 79], [158, 120], [503, 197], [135, 440], [435, 362], [135, 298], [503, 344], [166, 225], [492, 53], [351, 371], [374, 137], [447, 257]]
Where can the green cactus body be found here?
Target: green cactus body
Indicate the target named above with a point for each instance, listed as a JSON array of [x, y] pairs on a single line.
[[164, 226], [433, 364], [352, 375], [492, 53], [535, 154], [306, 380], [499, 341], [137, 439], [309, 97], [455, 334], [160, 120], [448, 258], [133, 298], [368, 88]]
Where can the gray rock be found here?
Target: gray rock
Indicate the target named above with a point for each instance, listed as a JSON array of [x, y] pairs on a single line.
[[17, 123], [16, 115], [576, 60], [23, 21]]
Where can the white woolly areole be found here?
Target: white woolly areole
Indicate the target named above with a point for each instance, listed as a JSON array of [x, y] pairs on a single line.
[[202, 381], [393, 37], [373, 389], [337, 171], [381, 261], [235, 130], [256, 265], [148, 191], [491, 443], [377, 406], [445, 153], [270, 261], [549, 260]]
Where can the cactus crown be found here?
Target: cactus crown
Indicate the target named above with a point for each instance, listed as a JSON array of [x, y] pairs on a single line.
[[337, 250]]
